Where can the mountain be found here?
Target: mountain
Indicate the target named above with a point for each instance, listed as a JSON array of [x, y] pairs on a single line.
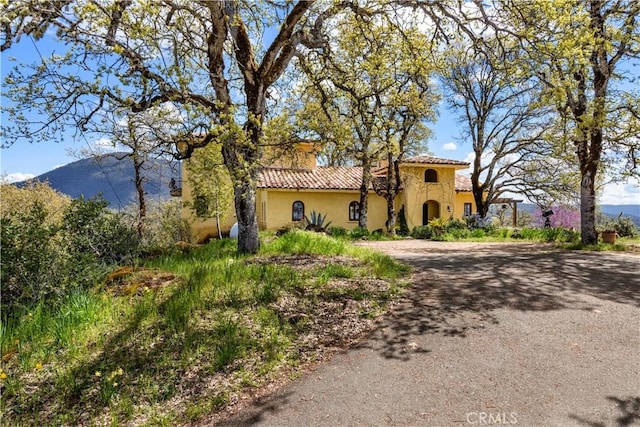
[[626, 210], [112, 177]]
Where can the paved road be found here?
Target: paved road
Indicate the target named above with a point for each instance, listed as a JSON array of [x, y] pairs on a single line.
[[489, 334]]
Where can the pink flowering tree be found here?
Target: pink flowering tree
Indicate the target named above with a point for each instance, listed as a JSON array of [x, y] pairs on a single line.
[[565, 217]]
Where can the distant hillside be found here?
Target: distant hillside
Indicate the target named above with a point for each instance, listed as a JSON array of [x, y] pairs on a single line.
[[631, 211], [627, 210], [111, 177]]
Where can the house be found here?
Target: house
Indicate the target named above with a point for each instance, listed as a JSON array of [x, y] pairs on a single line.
[[431, 188]]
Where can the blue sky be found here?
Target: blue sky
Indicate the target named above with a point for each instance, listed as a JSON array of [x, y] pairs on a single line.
[[24, 160]]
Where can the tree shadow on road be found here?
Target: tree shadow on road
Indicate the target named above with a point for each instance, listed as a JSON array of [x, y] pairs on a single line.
[[257, 411], [630, 413], [455, 292]]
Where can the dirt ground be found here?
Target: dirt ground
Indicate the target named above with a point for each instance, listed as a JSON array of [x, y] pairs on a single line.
[[490, 333]]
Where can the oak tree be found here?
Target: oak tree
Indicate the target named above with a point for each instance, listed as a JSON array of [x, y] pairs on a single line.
[[213, 61], [368, 96], [578, 50], [498, 109]]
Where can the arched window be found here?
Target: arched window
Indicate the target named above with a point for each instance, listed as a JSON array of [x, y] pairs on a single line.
[[297, 211], [354, 211], [430, 175]]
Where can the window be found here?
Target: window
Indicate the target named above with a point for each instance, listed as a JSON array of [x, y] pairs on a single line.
[[297, 211], [430, 176], [354, 211], [467, 209]]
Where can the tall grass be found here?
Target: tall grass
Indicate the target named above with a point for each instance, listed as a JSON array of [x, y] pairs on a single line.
[[40, 331], [106, 354], [302, 242]]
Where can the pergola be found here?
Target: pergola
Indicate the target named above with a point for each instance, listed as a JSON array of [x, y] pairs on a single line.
[[513, 204]]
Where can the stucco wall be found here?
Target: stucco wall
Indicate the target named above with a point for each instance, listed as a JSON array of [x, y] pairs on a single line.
[[277, 204], [274, 206], [463, 197], [417, 192]]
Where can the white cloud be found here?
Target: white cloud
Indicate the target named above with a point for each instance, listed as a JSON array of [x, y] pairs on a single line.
[[486, 158], [620, 194], [17, 177], [450, 146], [105, 144]]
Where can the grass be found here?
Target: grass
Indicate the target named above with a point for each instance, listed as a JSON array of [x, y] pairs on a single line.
[[178, 338]]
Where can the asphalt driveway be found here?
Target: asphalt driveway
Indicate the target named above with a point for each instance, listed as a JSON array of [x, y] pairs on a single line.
[[489, 334]]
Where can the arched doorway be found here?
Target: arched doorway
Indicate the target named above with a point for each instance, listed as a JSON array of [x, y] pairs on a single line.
[[430, 210]]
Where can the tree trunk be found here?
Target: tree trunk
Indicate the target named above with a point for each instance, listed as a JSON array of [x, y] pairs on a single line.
[[393, 188], [589, 158], [245, 200], [589, 147], [391, 216], [364, 192], [218, 217], [478, 196], [139, 183], [242, 161], [477, 187], [589, 235]]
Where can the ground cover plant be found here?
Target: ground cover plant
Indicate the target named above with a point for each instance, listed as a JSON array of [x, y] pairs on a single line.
[[184, 335], [452, 230]]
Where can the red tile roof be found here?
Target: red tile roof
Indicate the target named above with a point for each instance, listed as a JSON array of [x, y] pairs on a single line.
[[463, 183], [327, 178], [319, 178], [434, 161]]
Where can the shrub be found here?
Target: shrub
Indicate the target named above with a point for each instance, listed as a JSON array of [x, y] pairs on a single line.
[[378, 234], [476, 221], [30, 262], [455, 224], [45, 260], [292, 226], [421, 232], [94, 233], [359, 233], [551, 234], [18, 200], [478, 233], [460, 233], [338, 231], [164, 227], [623, 226], [305, 242], [403, 227], [438, 227], [558, 234]]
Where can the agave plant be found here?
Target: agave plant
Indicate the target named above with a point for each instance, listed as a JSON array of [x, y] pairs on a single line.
[[316, 221]]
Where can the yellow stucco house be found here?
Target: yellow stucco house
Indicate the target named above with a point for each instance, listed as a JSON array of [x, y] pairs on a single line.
[[431, 188]]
